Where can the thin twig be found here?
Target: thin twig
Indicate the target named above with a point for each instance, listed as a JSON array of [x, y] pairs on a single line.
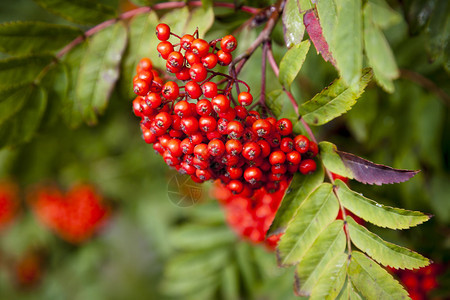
[[262, 97]]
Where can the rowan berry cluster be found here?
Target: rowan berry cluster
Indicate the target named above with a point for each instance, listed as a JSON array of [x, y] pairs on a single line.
[[200, 129], [251, 217]]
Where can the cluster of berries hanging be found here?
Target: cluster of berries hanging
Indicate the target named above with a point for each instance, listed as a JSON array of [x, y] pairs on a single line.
[[251, 217], [201, 130]]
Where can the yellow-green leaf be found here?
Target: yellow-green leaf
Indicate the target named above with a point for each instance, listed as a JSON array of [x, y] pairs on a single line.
[[292, 62]]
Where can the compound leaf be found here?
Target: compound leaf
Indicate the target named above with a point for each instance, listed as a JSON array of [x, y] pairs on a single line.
[[387, 254], [333, 101], [330, 243], [372, 281], [375, 213], [299, 189], [313, 215], [330, 284]]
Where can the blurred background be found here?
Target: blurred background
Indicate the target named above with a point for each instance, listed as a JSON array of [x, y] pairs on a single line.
[[136, 243]]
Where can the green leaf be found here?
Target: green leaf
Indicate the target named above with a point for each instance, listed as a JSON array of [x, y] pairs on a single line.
[[21, 70], [348, 292], [142, 43], [79, 11], [348, 40], [177, 19], [292, 62], [99, 70], [201, 18], [299, 189], [383, 15], [327, 12], [71, 106], [19, 130], [274, 101], [293, 26], [304, 5], [330, 284], [230, 282], [375, 213], [12, 100], [372, 281], [315, 264], [196, 237], [334, 100], [313, 215], [387, 254], [379, 53], [19, 38], [332, 161]]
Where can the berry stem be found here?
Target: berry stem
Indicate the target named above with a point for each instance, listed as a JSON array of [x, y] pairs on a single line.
[[262, 97]]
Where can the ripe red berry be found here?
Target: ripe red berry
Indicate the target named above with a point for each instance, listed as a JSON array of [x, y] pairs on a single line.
[[220, 103], [175, 59], [207, 124], [209, 89], [164, 48], [200, 47], [262, 127], [192, 58], [265, 148], [224, 58], [287, 145], [277, 157], [234, 147], [141, 87], [186, 146], [216, 148], [201, 151], [235, 186], [251, 151], [198, 72], [145, 64], [234, 172], [235, 129], [228, 43], [307, 166], [170, 90], [146, 76], [284, 126], [163, 120], [193, 89], [301, 143], [229, 115], [204, 107], [174, 147], [313, 149], [203, 174], [189, 125], [293, 157], [162, 32], [241, 112], [252, 175], [182, 108], [186, 41], [183, 74], [245, 98]]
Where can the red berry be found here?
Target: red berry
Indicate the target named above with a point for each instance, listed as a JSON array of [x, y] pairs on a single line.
[[234, 147], [301, 143], [170, 90], [163, 120], [251, 150], [307, 166], [294, 157], [220, 103], [216, 148], [186, 41], [234, 172], [229, 115], [207, 124], [277, 157], [313, 149], [228, 43], [252, 175], [245, 98], [201, 151], [224, 58], [287, 145], [265, 148], [164, 48], [182, 108], [141, 87], [235, 186], [153, 100], [261, 127], [204, 107], [162, 32], [200, 47], [192, 58], [209, 60], [209, 89], [189, 125], [186, 146], [183, 74], [174, 147], [175, 59], [235, 129], [198, 72], [145, 64], [193, 89], [284, 126], [203, 174]]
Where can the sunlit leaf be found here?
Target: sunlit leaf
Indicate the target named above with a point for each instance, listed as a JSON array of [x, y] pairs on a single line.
[[375, 213], [313, 215], [333, 101], [292, 62], [293, 27], [386, 253], [201, 18], [372, 281], [299, 189], [330, 284]]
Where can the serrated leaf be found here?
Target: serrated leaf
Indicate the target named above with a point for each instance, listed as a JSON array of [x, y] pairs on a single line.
[[99, 70], [330, 243], [201, 18], [293, 27], [22, 70], [330, 284], [315, 33], [292, 62], [142, 43], [375, 213], [71, 106], [348, 40], [299, 189], [372, 281], [362, 170], [379, 53], [334, 100], [385, 253], [313, 215], [19, 38], [197, 237], [79, 11]]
